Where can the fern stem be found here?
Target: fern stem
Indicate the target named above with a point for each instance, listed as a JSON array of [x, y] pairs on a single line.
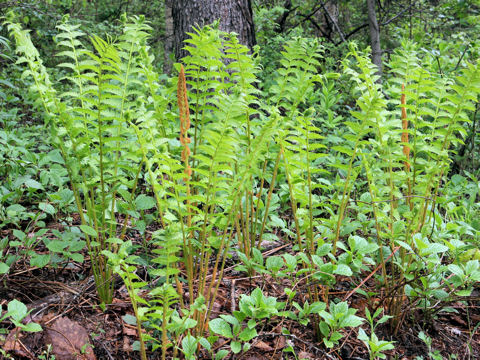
[[309, 186], [345, 197], [133, 300], [377, 223], [293, 201], [269, 196], [257, 206]]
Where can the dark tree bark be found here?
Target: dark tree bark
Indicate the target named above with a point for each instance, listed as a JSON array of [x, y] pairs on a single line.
[[234, 15], [328, 18], [169, 44], [374, 36]]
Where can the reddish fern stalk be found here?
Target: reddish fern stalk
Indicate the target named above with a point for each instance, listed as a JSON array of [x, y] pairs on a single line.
[[184, 112]]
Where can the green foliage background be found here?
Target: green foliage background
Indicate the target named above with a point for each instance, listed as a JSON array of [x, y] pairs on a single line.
[[296, 142]]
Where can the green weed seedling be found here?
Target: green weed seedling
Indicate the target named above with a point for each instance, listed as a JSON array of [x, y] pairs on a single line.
[[190, 346], [47, 354], [304, 312], [230, 327], [27, 244], [290, 263], [16, 312], [207, 343], [289, 349], [121, 262], [253, 307], [14, 214], [432, 353], [358, 253], [374, 345], [274, 264], [257, 306], [339, 317], [66, 245], [6, 259], [252, 265], [183, 322], [465, 276], [289, 269]]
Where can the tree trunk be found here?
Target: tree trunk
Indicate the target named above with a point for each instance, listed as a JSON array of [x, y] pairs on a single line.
[[327, 18], [374, 36], [234, 15], [169, 44]]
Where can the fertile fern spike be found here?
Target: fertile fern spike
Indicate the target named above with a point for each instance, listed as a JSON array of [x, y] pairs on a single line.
[[423, 92]]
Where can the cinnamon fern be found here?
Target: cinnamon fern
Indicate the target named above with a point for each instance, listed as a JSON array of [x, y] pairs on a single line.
[[405, 164], [210, 153]]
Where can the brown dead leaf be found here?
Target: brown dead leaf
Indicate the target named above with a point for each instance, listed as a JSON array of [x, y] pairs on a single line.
[[459, 320], [120, 303], [217, 306], [13, 344], [69, 340], [280, 342], [305, 355], [129, 330], [262, 346], [127, 347]]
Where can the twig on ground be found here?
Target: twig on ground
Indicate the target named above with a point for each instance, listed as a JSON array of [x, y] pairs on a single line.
[[294, 337]]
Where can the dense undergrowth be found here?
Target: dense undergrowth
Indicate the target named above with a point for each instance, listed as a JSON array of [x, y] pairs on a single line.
[[187, 176]]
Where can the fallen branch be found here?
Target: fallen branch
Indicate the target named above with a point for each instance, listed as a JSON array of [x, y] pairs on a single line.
[[371, 274], [309, 344]]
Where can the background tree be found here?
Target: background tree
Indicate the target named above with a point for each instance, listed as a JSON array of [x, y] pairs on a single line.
[[374, 36], [234, 15], [168, 43]]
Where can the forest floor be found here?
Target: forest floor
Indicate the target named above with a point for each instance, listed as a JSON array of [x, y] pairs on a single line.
[[63, 301]]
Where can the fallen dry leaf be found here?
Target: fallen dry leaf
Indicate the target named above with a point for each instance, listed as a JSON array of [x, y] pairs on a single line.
[[305, 355], [129, 330], [262, 346], [280, 342], [13, 344], [127, 347], [69, 340]]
